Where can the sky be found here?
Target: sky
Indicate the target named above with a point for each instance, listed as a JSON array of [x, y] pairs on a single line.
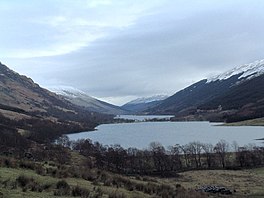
[[119, 50]]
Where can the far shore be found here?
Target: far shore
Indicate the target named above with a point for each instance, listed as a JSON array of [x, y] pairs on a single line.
[[253, 122]]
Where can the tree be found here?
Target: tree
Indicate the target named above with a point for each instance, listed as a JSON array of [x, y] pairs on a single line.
[[175, 157], [186, 154], [159, 156], [208, 151], [195, 149], [64, 141], [221, 148]]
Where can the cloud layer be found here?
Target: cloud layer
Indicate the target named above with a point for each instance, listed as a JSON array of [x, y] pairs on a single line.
[[119, 50]]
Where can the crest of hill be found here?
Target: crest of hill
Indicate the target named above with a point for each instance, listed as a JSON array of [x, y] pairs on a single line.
[[141, 104], [81, 98], [235, 95], [25, 106]]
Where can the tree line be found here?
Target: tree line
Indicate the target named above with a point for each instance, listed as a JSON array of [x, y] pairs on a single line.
[[157, 160]]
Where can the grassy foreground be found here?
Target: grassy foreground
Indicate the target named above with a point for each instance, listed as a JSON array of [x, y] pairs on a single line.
[[246, 183], [18, 182], [34, 179]]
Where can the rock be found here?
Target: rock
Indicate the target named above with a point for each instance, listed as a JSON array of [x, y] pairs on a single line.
[[215, 189]]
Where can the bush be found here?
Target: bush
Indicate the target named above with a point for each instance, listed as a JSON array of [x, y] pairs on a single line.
[[27, 165], [117, 194], [9, 163], [62, 184], [28, 183], [80, 192], [62, 188], [40, 170], [23, 180]]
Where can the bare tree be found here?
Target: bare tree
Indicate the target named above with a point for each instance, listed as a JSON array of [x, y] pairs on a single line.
[[159, 156], [175, 158], [208, 151], [186, 154], [64, 141], [195, 149], [221, 148]]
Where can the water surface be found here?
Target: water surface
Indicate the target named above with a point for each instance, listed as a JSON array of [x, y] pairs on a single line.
[[140, 134]]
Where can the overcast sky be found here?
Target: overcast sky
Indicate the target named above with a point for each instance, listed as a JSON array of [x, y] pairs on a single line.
[[118, 50]]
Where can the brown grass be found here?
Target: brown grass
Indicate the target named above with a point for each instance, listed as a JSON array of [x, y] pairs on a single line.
[[246, 183]]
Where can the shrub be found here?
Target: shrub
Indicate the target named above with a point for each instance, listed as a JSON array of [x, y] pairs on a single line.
[[62, 188], [29, 183], [80, 192], [97, 193], [62, 184], [9, 163], [40, 170], [117, 194], [27, 165], [23, 180]]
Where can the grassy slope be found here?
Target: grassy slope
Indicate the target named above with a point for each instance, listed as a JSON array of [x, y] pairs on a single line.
[[10, 175], [247, 183], [253, 122]]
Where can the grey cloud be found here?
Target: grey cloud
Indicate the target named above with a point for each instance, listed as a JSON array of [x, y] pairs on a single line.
[[162, 52]]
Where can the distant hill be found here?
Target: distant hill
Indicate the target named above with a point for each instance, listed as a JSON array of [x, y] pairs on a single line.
[[235, 95], [80, 98], [141, 104], [38, 113]]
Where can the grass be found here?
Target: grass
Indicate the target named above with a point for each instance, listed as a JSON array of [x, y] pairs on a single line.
[[253, 122], [259, 171], [246, 183], [12, 174], [17, 193], [9, 175]]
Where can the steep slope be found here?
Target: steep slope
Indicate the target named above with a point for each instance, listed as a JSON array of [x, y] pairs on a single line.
[[141, 104], [246, 97], [80, 98], [235, 95], [193, 96], [37, 112]]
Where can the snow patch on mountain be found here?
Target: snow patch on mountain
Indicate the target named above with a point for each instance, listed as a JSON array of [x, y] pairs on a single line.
[[248, 71], [68, 91], [80, 98], [148, 99]]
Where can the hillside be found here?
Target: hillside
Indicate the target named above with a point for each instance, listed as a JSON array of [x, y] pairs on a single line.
[[80, 98], [29, 109], [235, 95]]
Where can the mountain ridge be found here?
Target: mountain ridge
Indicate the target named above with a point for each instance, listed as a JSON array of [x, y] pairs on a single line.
[[81, 98], [239, 92], [141, 104], [250, 70], [41, 114]]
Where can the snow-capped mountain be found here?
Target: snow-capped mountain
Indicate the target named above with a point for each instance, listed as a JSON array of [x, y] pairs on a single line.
[[141, 104], [148, 99], [80, 98], [71, 92], [237, 94], [26, 106], [247, 71]]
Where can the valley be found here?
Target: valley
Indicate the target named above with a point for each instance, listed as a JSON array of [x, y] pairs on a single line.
[[131, 99], [127, 155]]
